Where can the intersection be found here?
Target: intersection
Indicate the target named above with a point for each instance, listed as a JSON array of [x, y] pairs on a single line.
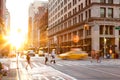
[[66, 69]]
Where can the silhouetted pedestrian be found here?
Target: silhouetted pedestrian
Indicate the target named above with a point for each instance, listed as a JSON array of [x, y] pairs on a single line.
[[98, 57], [46, 55], [92, 55], [28, 61], [53, 56]]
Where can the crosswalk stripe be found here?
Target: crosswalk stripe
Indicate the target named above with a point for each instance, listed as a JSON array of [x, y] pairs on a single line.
[[59, 64], [13, 65], [35, 65]]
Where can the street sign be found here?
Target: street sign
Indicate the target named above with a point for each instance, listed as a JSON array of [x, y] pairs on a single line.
[[117, 27]]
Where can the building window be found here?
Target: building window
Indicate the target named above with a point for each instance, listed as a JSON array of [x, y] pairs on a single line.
[[69, 23], [69, 36], [79, 7], [61, 19], [110, 1], [102, 12], [65, 16], [89, 13], [110, 12], [102, 1], [86, 15], [61, 4], [65, 9], [69, 14], [75, 10], [74, 2], [69, 5], [80, 32], [119, 32], [119, 12], [59, 7], [86, 2], [61, 11], [58, 1], [89, 1], [61, 26], [111, 30], [82, 17], [106, 29], [65, 25], [79, 18], [101, 29], [65, 2], [74, 20]]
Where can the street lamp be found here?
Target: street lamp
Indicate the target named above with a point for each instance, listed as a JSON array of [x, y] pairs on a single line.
[[105, 46], [86, 27]]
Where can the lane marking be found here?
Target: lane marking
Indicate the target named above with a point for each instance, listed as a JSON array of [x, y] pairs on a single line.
[[66, 75], [59, 64], [101, 71]]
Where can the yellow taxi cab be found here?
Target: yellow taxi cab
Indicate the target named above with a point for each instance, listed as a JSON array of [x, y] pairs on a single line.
[[74, 54]]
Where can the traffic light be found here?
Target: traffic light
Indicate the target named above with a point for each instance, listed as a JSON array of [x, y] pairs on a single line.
[[86, 27]]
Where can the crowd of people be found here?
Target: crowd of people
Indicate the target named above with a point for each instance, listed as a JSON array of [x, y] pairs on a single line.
[[47, 57], [52, 56]]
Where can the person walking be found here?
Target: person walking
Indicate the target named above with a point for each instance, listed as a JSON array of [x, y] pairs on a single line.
[[98, 56], [92, 55], [46, 57], [53, 57], [28, 61]]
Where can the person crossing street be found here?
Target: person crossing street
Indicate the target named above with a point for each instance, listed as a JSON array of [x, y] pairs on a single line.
[[28, 61]]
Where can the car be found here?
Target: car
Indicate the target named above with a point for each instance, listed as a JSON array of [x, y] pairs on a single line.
[[75, 54], [31, 52], [41, 53]]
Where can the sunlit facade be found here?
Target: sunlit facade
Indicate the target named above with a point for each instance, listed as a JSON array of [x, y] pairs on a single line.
[[4, 45], [68, 18], [36, 11]]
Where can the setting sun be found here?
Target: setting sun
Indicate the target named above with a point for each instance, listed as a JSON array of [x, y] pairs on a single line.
[[16, 39]]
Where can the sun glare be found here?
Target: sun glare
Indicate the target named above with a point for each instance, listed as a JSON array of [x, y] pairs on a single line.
[[16, 39]]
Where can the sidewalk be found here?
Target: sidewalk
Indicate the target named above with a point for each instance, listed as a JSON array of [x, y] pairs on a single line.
[[13, 71], [12, 75]]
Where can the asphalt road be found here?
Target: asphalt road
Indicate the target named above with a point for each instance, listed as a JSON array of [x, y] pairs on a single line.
[[72, 70]]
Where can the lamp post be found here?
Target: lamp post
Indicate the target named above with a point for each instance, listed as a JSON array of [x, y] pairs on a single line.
[[86, 27], [105, 47]]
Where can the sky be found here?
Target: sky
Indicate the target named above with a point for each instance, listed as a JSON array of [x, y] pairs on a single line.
[[18, 20], [19, 13]]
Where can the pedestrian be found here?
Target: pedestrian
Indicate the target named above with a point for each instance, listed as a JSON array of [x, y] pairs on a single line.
[[28, 61], [92, 55], [53, 57], [46, 55], [97, 57]]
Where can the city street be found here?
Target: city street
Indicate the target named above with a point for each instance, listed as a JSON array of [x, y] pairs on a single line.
[[67, 69]]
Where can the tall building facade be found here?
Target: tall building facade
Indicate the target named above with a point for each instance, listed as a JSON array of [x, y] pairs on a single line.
[[93, 21], [36, 13], [5, 46]]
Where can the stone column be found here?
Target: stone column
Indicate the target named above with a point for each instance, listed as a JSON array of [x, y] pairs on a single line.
[[117, 40], [95, 37]]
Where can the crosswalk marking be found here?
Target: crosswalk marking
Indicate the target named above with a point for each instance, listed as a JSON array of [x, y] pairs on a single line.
[[40, 72], [13, 65], [59, 64]]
